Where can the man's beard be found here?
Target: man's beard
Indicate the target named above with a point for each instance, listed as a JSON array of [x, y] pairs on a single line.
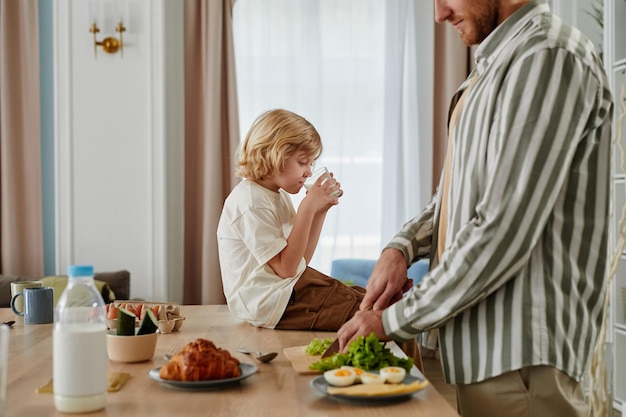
[[484, 18]]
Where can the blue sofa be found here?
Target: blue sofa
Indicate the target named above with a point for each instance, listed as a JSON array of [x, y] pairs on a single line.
[[356, 271]]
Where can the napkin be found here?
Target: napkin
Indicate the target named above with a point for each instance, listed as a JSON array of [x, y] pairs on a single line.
[[116, 382]]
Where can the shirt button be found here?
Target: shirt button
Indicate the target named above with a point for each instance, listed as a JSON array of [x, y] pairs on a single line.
[[349, 297]]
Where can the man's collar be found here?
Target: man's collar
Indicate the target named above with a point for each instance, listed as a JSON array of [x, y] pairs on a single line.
[[497, 40]]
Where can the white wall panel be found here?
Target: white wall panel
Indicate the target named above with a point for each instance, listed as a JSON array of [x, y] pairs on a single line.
[[119, 141]]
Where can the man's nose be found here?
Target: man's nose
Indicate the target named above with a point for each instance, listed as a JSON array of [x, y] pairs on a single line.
[[442, 11]]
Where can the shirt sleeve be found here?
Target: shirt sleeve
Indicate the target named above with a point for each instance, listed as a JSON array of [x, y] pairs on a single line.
[[415, 238], [268, 239]]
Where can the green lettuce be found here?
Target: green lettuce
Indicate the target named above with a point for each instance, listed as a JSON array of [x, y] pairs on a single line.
[[367, 353], [318, 346]]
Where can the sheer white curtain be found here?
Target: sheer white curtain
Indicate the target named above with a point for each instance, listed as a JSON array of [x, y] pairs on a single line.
[[351, 68]]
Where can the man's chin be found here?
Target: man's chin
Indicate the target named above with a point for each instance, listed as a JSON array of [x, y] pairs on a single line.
[[467, 39]]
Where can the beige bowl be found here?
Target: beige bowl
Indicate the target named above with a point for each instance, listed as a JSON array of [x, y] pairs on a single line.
[[131, 348]]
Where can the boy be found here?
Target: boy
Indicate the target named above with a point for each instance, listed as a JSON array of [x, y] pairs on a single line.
[[265, 245]]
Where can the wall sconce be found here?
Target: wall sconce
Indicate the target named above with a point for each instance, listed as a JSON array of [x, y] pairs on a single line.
[[109, 44], [106, 12]]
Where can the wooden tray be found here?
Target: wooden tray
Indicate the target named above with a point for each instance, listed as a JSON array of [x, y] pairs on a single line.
[[300, 360]]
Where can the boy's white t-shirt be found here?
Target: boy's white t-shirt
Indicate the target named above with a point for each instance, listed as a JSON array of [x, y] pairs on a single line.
[[252, 229]]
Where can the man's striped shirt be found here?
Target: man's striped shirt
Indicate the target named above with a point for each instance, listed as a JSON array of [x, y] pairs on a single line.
[[522, 280]]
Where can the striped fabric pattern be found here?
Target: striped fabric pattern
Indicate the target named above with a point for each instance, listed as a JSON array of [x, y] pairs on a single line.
[[523, 276]]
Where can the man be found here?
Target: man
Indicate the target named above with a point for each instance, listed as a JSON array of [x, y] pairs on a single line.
[[518, 230]]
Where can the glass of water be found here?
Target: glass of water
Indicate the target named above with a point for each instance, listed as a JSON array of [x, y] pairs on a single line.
[[320, 172]]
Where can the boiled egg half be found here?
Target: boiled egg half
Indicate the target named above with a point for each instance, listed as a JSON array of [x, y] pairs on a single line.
[[357, 372], [372, 378], [393, 374], [340, 377]]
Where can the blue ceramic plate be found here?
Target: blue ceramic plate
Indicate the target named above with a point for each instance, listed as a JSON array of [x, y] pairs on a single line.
[[246, 371], [319, 384]]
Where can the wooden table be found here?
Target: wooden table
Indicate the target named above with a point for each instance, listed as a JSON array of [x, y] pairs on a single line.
[[275, 390]]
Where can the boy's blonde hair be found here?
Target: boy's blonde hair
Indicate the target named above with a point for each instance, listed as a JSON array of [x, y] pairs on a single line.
[[273, 137]]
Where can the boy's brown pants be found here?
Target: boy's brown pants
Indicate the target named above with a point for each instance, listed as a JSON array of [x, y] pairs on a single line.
[[320, 302]]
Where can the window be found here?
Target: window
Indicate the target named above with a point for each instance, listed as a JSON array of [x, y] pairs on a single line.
[[328, 61]]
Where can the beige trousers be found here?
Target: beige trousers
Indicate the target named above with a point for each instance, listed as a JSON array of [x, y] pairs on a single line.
[[538, 391]]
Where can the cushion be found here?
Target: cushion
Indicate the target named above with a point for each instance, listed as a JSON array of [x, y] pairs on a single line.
[[59, 284], [119, 281], [5, 288], [356, 271], [352, 271]]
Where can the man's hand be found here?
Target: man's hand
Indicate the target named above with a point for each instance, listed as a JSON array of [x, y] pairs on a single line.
[[388, 281], [362, 324]]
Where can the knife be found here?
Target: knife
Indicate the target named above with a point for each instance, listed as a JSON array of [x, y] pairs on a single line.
[[332, 349]]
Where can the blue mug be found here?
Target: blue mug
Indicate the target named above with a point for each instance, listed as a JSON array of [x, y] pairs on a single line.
[[38, 305]]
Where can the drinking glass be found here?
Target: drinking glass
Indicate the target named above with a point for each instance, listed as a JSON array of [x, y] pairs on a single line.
[[316, 174]]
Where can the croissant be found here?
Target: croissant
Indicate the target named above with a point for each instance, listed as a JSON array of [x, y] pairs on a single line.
[[201, 360]]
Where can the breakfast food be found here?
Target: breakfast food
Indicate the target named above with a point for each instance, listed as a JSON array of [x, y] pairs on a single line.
[[393, 374], [354, 378], [318, 346], [340, 377], [166, 315], [357, 372], [378, 389], [149, 323], [367, 353], [201, 360], [372, 378], [125, 322]]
